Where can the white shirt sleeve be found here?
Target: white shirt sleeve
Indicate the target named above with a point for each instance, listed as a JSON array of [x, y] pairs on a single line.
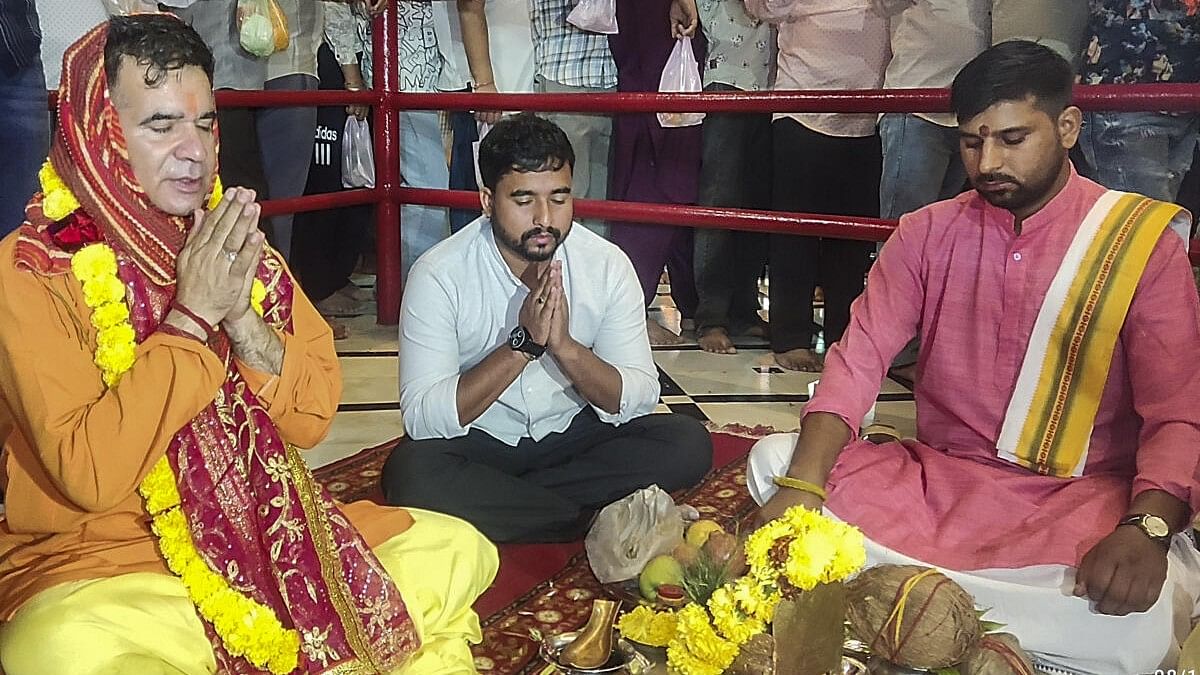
[[622, 343], [429, 363]]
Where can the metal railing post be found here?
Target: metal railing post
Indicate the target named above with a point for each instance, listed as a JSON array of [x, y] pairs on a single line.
[[386, 64]]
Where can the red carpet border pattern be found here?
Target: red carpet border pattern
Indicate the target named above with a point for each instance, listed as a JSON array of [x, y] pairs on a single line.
[[563, 601]]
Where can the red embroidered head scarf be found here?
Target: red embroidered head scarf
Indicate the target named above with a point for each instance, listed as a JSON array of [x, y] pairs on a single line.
[[89, 153], [255, 514]]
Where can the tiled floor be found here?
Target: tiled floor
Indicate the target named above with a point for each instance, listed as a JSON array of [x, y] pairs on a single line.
[[745, 388]]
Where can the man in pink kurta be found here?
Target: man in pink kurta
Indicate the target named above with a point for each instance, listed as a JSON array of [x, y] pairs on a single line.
[[968, 276]]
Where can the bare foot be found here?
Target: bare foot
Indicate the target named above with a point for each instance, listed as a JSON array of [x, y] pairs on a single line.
[[716, 341], [340, 331], [339, 305], [659, 335], [804, 360], [356, 294]]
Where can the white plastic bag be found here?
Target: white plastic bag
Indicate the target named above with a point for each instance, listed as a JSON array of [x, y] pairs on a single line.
[[483, 128], [358, 155], [255, 33], [595, 16], [681, 74], [631, 531]]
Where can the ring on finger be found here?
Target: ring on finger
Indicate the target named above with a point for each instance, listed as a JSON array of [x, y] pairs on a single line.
[[230, 256], [541, 300]]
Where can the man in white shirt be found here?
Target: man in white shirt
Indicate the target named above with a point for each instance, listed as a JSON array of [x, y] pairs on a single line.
[[526, 379]]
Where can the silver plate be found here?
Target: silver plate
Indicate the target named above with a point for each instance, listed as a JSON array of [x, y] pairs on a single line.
[[852, 666], [624, 656]]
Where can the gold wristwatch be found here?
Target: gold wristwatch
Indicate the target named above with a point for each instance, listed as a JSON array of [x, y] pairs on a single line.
[[1151, 525]]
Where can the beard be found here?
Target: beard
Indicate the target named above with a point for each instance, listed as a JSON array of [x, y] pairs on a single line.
[[529, 251], [1021, 194]]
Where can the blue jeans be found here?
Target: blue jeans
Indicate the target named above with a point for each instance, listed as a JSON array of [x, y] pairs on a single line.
[[423, 165], [462, 164], [25, 138], [735, 172], [285, 142], [1143, 152], [921, 164]]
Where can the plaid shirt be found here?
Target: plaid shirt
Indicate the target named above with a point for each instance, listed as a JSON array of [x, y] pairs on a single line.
[[565, 54]]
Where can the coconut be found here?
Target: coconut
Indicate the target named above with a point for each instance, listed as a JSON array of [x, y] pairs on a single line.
[[997, 654], [937, 626]]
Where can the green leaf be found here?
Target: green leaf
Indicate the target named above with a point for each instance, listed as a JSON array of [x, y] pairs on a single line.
[[703, 577], [988, 626], [947, 671]]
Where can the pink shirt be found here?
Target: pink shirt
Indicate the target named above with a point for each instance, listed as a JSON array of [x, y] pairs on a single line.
[[828, 44], [958, 275]]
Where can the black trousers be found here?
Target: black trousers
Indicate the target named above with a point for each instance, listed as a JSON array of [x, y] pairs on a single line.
[[547, 490], [326, 244], [735, 172], [816, 173]]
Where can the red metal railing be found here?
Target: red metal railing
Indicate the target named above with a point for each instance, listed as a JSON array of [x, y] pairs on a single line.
[[389, 194]]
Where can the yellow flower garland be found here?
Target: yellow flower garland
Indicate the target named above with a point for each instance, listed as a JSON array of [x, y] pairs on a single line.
[[708, 638], [58, 201], [246, 628]]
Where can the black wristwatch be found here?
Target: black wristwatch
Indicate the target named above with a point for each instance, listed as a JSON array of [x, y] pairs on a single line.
[[519, 341], [1152, 526]]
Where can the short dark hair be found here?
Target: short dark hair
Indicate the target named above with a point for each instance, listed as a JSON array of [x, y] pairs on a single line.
[[158, 42], [1013, 71], [523, 143]]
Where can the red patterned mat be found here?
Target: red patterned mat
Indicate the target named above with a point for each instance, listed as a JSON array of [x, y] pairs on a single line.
[[549, 586], [357, 476], [563, 602]]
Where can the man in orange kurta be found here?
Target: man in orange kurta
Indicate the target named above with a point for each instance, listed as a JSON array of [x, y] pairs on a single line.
[[156, 504]]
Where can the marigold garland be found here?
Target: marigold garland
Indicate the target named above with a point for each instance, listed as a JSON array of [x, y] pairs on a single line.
[[791, 554], [58, 201], [655, 629], [246, 628]]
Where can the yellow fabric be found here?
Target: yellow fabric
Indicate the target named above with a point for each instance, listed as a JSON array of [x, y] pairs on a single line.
[[144, 623], [1072, 375]]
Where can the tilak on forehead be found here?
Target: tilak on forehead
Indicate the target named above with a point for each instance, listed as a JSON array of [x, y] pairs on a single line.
[[89, 153]]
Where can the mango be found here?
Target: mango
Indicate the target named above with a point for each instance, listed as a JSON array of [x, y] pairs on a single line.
[[698, 532], [660, 570]]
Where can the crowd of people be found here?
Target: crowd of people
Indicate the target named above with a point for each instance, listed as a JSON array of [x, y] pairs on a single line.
[[161, 366], [842, 164]]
